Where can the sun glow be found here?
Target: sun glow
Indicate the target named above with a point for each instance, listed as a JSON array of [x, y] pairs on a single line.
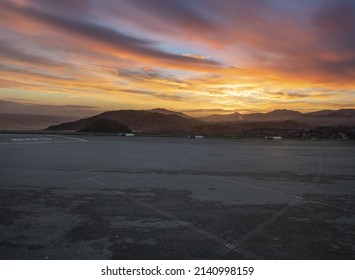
[[270, 59]]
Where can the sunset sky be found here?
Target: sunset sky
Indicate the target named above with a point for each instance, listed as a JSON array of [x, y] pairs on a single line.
[[195, 56]]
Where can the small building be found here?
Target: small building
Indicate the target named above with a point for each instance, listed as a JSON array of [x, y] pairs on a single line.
[[273, 137], [196, 136]]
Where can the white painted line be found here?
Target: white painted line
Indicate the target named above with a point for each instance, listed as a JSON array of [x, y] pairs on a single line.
[[74, 138], [38, 142], [42, 140], [26, 139]]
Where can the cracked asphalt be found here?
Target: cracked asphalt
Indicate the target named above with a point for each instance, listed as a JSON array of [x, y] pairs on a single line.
[[107, 197]]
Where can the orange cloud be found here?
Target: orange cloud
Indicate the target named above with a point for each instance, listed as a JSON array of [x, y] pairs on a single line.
[[237, 55]]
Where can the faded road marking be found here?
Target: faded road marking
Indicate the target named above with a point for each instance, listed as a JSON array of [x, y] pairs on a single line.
[[247, 236], [73, 138], [31, 139], [225, 244], [43, 140]]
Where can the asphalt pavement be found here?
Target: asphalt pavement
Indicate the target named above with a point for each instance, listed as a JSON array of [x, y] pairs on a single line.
[[110, 197]]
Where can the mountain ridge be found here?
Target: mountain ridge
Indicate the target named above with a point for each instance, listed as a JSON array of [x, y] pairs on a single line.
[[137, 120], [160, 119], [284, 114]]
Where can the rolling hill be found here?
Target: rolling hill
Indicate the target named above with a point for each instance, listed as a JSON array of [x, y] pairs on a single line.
[[137, 120], [105, 125]]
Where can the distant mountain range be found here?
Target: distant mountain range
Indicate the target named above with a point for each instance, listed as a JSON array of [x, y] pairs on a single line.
[[155, 120], [223, 118], [326, 117], [161, 120], [168, 112]]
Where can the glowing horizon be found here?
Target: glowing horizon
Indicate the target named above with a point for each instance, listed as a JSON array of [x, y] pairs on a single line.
[[200, 57]]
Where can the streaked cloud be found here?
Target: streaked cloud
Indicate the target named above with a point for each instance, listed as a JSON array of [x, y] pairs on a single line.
[[183, 55], [26, 107]]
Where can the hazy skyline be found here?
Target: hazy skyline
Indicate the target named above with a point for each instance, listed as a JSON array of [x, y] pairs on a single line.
[[200, 57]]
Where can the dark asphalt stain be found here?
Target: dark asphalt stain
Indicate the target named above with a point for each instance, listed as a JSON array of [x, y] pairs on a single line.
[[35, 247], [9, 245], [265, 176], [126, 223], [8, 216]]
